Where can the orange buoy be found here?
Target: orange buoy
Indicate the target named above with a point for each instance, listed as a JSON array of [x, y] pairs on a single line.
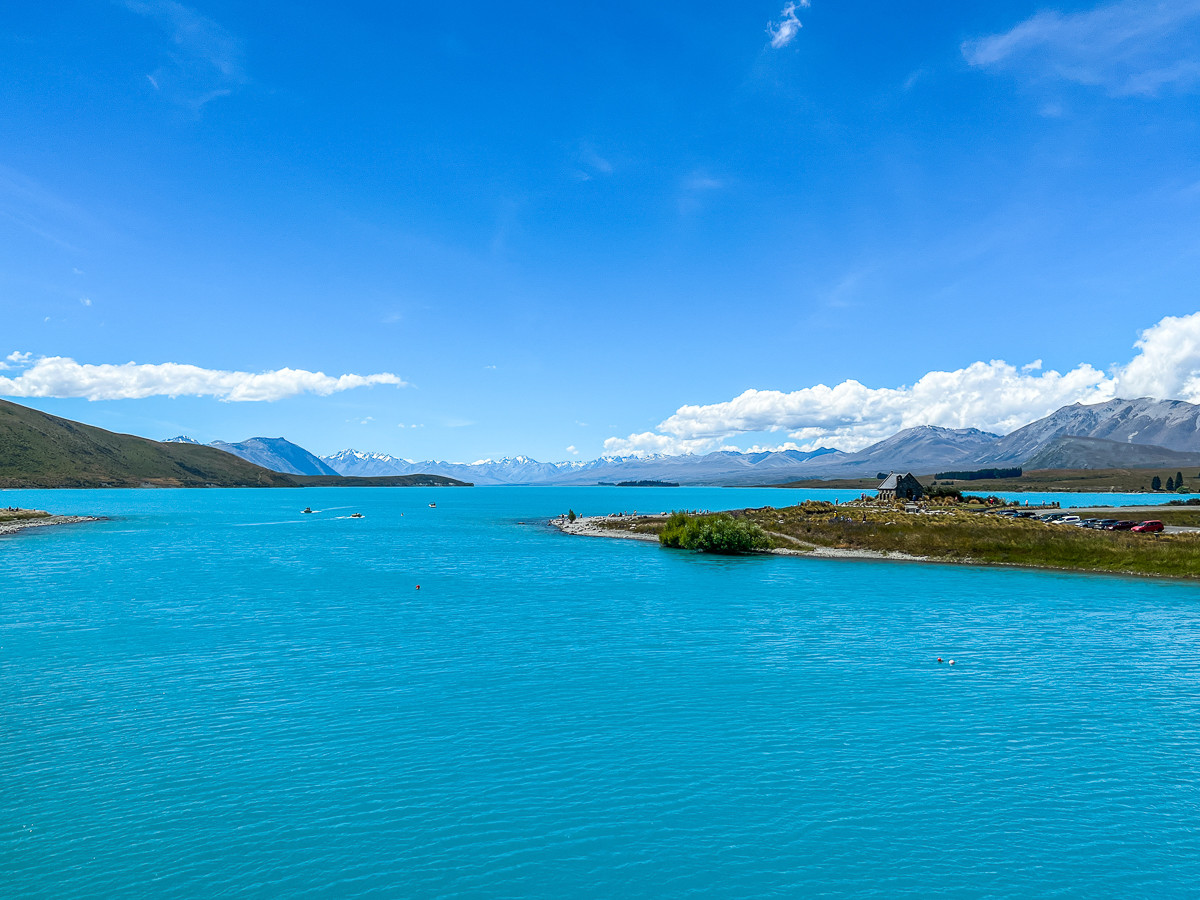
[[939, 659]]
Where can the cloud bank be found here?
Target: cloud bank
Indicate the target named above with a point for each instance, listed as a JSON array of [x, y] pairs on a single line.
[[994, 396], [1128, 48], [62, 377]]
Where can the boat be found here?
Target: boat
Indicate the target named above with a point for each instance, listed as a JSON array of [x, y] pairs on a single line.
[[306, 509], [356, 515], [433, 506]]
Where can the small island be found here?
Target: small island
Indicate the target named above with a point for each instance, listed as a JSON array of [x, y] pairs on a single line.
[[638, 484], [974, 533]]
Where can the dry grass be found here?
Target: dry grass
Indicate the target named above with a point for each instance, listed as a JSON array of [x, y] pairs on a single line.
[[956, 534], [9, 514]]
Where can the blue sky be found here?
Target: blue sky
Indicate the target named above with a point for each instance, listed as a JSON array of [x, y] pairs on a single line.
[[561, 230]]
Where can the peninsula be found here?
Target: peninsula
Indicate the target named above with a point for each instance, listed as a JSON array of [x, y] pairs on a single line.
[[969, 533], [13, 519]]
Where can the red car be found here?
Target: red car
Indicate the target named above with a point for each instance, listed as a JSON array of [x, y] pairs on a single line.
[[1145, 527]]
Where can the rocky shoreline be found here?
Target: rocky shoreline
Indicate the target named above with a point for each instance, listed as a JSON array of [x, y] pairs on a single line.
[[588, 526], [12, 526]]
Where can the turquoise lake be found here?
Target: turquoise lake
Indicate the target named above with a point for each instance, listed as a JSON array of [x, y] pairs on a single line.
[[213, 695]]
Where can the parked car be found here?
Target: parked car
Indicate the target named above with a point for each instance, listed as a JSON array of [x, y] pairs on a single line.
[[1123, 525], [1148, 527], [1067, 520], [1104, 524]]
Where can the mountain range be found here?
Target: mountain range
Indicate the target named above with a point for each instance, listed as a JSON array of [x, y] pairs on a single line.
[[38, 450], [1118, 433]]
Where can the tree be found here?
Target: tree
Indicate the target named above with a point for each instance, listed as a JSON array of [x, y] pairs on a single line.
[[1156, 483], [1170, 483], [1178, 480], [571, 517]]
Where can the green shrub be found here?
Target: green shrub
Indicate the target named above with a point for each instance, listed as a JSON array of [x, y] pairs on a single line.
[[720, 533]]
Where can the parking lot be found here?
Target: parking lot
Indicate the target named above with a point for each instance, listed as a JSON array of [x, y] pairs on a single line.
[[1124, 513]]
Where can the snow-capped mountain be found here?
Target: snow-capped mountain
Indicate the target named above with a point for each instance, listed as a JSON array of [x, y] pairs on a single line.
[[511, 470], [276, 454], [1173, 424], [922, 449], [721, 467]]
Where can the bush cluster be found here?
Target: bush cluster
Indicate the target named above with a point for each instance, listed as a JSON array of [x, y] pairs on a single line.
[[943, 491], [719, 533]]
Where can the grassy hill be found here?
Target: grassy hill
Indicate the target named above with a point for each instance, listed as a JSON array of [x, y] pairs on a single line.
[[38, 450]]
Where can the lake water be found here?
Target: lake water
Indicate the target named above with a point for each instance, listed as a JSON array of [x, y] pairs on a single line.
[[213, 695]]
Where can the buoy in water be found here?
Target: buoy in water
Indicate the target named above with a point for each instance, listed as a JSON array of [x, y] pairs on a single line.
[[939, 659], [951, 662], [418, 587]]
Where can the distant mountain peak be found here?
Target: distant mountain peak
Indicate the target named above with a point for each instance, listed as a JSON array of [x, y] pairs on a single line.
[[278, 455], [182, 439]]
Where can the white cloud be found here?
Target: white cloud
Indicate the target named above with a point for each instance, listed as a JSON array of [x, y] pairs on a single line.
[[994, 396], [205, 61], [86, 301], [1131, 47], [60, 376], [785, 30], [571, 449], [593, 162], [694, 188], [1168, 362], [15, 360], [702, 181]]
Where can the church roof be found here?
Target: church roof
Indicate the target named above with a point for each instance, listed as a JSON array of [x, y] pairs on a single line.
[[893, 481]]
